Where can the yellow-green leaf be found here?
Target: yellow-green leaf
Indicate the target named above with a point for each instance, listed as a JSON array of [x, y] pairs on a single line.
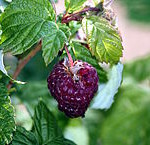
[[103, 39], [73, 5]]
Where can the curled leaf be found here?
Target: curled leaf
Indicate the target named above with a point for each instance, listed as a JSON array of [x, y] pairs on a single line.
[[106, 92], [2, 68]]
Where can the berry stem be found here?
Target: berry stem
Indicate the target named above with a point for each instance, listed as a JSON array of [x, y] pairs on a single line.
[[69, 56]]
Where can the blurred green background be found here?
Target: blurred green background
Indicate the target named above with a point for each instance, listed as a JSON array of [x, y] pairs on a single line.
[[127, 121]]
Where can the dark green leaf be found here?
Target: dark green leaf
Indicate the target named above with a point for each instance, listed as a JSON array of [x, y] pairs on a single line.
[[45, 126], [138, 10], [7, 122], [23, 137], [73, 5], [46, 131], [68, 142], [56, 141], [82, 53], [128, 121], [3, 90], [25, 22], [103, 39], [139, 69]]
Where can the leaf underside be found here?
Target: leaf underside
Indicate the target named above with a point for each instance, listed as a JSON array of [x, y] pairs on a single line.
[[106, 92]]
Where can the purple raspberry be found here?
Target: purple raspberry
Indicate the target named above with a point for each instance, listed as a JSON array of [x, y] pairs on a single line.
[[73, 87]]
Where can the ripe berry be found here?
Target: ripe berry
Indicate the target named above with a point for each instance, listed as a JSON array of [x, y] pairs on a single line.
[[73, 87]]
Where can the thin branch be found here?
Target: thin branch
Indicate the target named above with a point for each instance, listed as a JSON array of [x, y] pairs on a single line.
[[78, 15], [23, 62]]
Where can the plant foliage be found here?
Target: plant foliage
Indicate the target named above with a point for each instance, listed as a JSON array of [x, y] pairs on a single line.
[[45, 130], [7, 121], [26, 24], [103, 39]]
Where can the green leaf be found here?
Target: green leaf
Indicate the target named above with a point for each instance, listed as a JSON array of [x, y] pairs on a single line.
[[106, 92], [128, 121], [68, 142], [73, 5], [55, 141], [45, 126], [65, 29], [74, 27], [82, 53], [138, 10], [7, 122], [53, 42], [45, 130], [3, 90], [38, 90], [138, 70], [96, 2], [23, 137], [25, 22], [103, 39]]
